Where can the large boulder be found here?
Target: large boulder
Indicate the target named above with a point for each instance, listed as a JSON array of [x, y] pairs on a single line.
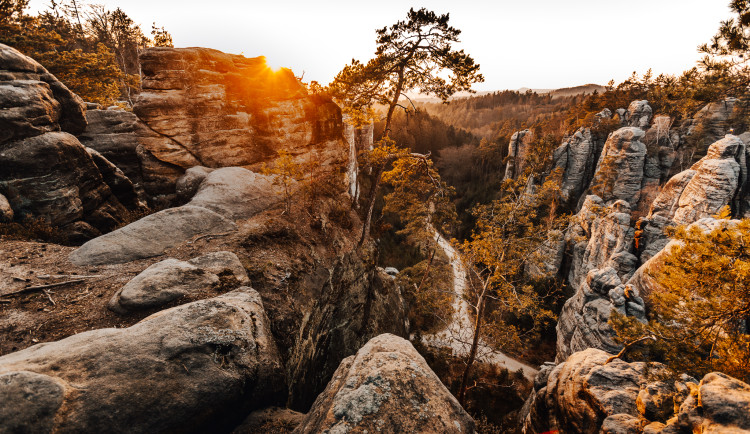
[[45, 172], [172, 279], [237, 193], [161, 283], [386, 387], [197, 367], [202, 107], [52, 177], [151, 236], [354, 304]]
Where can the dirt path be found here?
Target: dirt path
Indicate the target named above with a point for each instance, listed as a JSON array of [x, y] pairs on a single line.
[[458, 334]]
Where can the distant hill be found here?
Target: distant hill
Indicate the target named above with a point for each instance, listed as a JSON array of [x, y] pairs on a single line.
[[496, 115]]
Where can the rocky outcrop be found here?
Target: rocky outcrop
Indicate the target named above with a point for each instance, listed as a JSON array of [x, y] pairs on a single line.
[[237, 193], [717, 180], [45, 172], [113, 133], [355, 304], [601, 237], [583, 321], [172, 279], [151, 236], [576, 158], [518, 150], [586, 395], [197, 367], [386, 387], [639, 114], [619, 172], [34, 101], [202, 107]]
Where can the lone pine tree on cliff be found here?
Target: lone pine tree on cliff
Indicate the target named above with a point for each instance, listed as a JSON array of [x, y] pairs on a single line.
[[415, 54]]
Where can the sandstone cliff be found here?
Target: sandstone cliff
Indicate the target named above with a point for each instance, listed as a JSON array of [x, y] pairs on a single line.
[[202, 107]]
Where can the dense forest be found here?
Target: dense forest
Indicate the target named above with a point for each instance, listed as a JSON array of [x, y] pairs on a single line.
[[91, 49]]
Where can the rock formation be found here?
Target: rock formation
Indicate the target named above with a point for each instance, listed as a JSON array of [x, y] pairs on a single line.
[[586, 395], [223, 196], [151, 236], [45, 172], [172, 279], [639, 114], [202, 107], [518, 151], [354, 305], [113, 133], [576, 157], [619, 172], [386, 387], [191, 368]]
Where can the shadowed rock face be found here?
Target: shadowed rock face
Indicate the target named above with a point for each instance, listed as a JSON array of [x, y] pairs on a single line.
[[197, 367], [202, 107], [386, 387], [356, 304], [113, 134], [45, 172]]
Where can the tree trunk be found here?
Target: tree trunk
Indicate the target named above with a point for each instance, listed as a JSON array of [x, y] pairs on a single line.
[[371, 205], [426, 271], [472, 354]]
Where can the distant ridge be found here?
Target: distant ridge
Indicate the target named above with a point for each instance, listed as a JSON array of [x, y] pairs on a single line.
[[584, 89]]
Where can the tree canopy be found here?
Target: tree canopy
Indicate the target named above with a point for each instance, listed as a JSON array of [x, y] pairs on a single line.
[[415, 54], [700, 308]]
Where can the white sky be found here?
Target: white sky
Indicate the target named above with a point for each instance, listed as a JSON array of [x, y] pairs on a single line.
[[531, 43]]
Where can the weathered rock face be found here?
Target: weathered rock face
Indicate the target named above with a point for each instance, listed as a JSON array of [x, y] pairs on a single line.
[[518, 150], [585, 395], [717, 180], [151, 236], [639, 114], [576, 157], [605, 240], [113, 133], [202, 107], [45, 172], [192, 368], [354, 305], [120, 185], [171, 279], [386, 387], [619, 172], [583, 321], [34, 101]]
